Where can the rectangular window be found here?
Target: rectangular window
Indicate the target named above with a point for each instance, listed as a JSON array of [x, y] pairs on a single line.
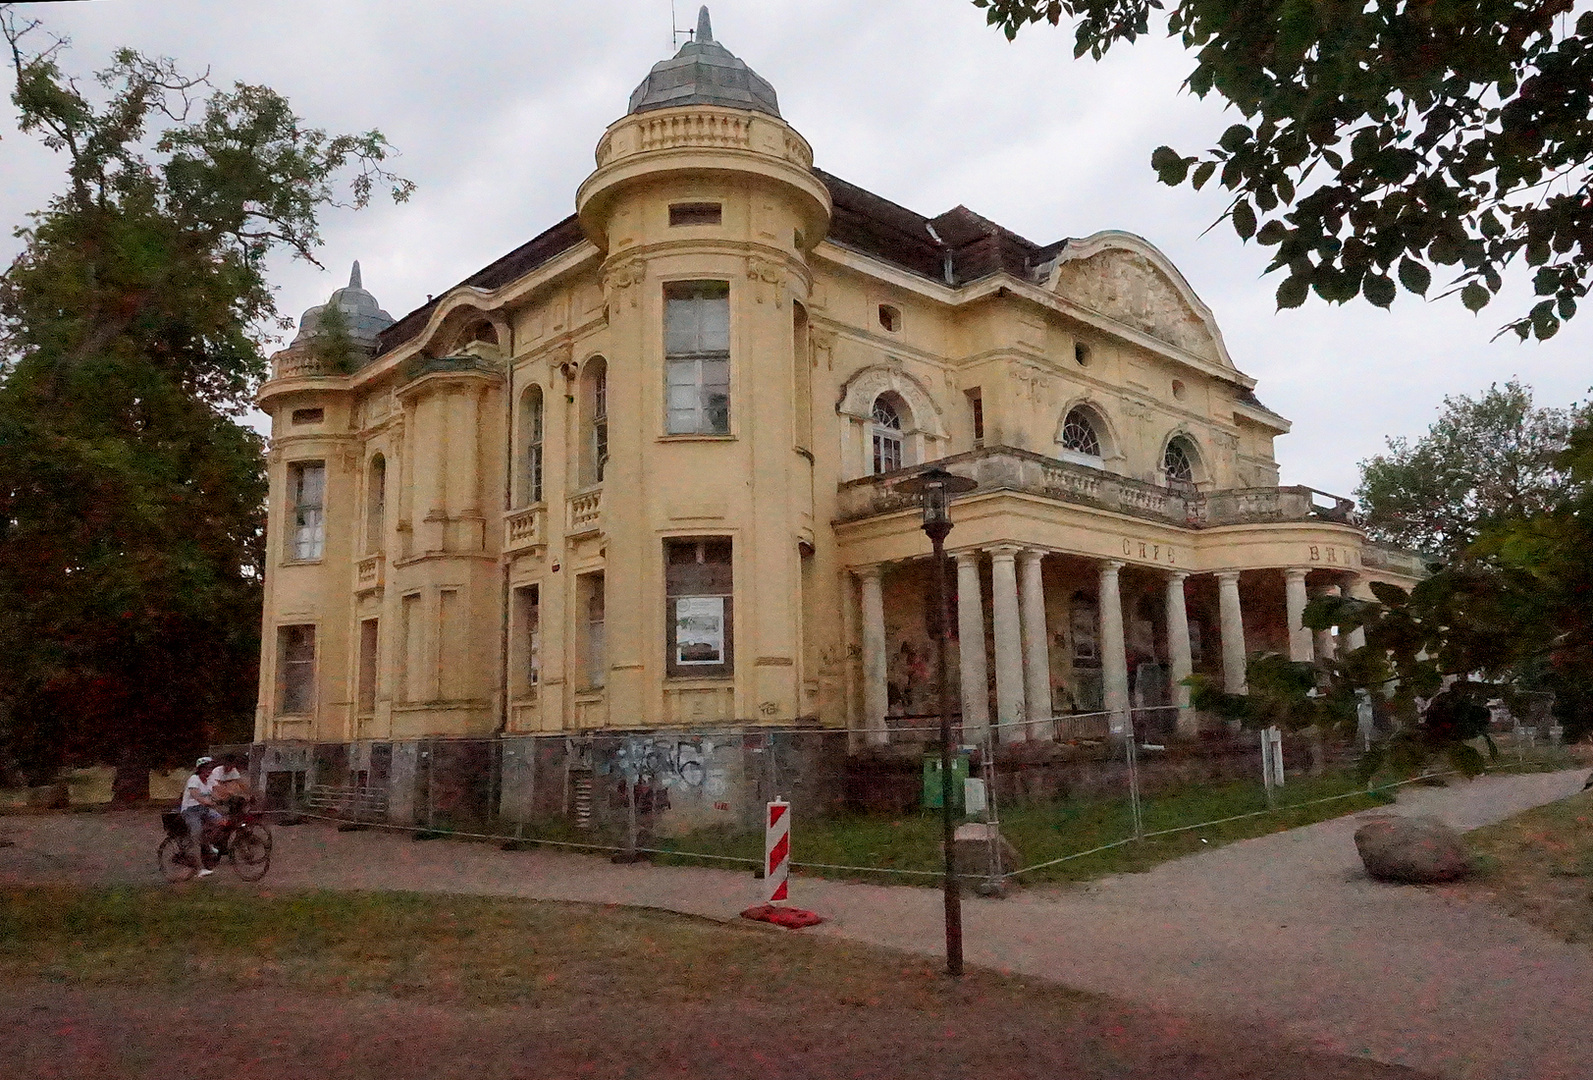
[[452, 646], [308, 416], [887, 450], [694, 214], [596, 651], [306, 497], [697, 357], [976, 408], [295, 670], [699, 591], [600, 423], [367, 681], [528, 611], [533, 451]]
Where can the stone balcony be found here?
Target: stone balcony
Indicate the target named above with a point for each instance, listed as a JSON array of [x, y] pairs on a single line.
[[525, 529], [1009, 469], [370, 573], [585, 512], [303, 364]]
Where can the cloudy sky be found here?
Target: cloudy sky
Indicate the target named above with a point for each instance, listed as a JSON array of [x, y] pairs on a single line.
[[497, 105]]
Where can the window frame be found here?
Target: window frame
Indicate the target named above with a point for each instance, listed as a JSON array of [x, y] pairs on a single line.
[[885, 435], [288, 667], [707, 420], [701, 580], [296, 540]]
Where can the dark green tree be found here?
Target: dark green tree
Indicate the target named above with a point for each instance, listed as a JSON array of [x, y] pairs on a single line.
[[131, 499], [1487, 461], [1383, 142]]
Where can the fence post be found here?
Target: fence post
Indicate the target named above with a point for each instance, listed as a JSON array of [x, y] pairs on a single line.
[[1129, 741], [777, 849]]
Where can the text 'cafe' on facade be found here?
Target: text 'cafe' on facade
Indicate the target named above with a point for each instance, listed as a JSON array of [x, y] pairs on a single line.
[[639, 475]]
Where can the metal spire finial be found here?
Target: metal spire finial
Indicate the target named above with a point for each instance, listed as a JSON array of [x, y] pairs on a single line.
[[705, 30], [354, 276]]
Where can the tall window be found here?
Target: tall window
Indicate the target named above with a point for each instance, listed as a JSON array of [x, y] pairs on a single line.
[[697, 357], [1079, 435], [594, 421], [887, 434], [529, 612], [698, 587], [531, 424], [295, 669], [306, 495], [591, 594], [1178, 464], [367, 680], [976, 411], [375, 504]]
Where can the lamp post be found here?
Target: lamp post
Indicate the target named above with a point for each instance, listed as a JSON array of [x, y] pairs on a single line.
[[936, 488]]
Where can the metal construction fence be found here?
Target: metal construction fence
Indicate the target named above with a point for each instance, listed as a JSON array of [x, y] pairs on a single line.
[[1036, 799]]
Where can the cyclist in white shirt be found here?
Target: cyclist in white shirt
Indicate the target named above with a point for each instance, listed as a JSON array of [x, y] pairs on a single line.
[[199, 807]]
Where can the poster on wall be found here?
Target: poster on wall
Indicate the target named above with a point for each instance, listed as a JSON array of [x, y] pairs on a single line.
[[700, 630]]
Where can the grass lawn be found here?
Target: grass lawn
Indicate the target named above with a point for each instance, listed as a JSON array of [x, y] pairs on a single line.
[[122, 982], [1045, 832], [1539, 865]]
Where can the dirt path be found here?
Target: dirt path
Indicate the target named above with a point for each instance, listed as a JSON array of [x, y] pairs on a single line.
[[1284, 931]]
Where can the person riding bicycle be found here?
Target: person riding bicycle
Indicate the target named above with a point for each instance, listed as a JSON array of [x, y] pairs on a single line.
[[227, 783], [199, 809]]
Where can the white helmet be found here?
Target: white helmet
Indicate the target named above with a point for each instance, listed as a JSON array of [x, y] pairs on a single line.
[[202, 762]]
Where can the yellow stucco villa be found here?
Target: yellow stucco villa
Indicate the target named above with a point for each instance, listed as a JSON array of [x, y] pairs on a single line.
[[639, 474]]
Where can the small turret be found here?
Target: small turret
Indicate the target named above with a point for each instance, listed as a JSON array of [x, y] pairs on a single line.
[[365, 317], [704, 72]]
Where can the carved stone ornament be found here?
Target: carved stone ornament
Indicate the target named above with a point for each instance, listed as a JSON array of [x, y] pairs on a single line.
[[764, 272], [621, 276], [558, 356], [857, 398], [1036, 382], [823, 342]]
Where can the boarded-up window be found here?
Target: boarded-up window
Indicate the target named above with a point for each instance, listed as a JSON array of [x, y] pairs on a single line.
[[594, 644], [699, 593], [452, 646], [413, 652], [367, 686], [295, 669], [528, 615]]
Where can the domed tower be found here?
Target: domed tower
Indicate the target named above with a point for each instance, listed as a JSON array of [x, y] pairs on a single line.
[[362, 317], [705, 205]]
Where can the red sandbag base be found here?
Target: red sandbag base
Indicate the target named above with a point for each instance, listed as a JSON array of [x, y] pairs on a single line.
[[790, 918]]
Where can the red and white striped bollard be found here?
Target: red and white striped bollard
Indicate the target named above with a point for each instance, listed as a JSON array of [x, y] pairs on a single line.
[[777, 849]]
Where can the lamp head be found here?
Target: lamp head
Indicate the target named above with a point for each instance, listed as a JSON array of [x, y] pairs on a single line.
[[935, 489]]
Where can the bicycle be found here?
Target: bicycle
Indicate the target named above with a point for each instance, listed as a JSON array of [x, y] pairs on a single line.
[[242, 838]]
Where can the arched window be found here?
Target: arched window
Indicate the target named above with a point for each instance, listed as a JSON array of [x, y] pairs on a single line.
[[1079, 434], [531, 440], [888, 409], [375, 504], [1178, 463], [594, 407]]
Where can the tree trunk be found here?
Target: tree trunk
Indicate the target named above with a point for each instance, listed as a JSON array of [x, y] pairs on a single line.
[[132, 779]]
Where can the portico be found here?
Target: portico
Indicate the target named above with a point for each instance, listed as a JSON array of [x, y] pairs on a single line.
[[1063, 608]]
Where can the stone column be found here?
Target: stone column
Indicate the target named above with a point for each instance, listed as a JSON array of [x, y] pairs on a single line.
[[1010, 711], [1036, 649], [1178, 655], [875, 701], [1325, 645], [1233, 632], [1300, 647], [971, 636], [1114, 656]]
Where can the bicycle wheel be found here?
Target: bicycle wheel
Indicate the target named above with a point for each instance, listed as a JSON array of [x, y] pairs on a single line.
[[251, 852], [177, 861]]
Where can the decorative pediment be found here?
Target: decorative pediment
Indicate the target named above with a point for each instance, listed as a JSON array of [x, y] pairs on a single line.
[[1125, 278], [857, 398]]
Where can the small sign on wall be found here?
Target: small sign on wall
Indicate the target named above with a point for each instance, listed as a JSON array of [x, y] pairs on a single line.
[[699, 630]]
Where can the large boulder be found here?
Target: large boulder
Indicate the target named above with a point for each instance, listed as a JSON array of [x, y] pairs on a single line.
[[1412, 850]]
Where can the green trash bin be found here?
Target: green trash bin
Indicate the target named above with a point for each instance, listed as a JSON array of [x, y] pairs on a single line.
[[959, 773]]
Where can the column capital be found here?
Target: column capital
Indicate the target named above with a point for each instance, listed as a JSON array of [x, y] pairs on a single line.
[[1227, 577], [1003, 552], [1295, 573], [1033, 554], [873, 570], [1177, 576], [965, 557], [1111, 566]]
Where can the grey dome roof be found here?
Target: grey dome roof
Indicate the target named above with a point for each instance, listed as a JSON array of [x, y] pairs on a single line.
[[365, 316], [704, 72]]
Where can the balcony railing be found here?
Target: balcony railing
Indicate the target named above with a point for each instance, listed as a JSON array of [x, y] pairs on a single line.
[[1398, 560], [586, 512], [303, 365], [1008, 469], [525, 529]]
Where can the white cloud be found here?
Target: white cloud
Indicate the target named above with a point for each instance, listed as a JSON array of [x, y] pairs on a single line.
[[497, 105]]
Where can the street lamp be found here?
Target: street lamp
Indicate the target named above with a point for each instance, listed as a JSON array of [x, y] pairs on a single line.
[[936, 488]]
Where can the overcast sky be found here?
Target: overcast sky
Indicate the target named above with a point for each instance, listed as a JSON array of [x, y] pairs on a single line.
[[497, 106]]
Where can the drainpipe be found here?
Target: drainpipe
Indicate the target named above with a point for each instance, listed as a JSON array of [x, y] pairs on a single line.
[[945, 255], [503, 556]]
